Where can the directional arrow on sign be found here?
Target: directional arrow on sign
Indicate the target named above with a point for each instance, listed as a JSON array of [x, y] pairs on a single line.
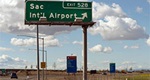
[[84, 15]]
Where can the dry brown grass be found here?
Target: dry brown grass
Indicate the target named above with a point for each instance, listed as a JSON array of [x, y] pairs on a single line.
[[62, 75]]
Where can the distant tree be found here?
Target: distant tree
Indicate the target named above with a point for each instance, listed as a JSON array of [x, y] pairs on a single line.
[[31, 66], [123, 71], [26, 67], [54, 65], [81, 68], [130, 69]]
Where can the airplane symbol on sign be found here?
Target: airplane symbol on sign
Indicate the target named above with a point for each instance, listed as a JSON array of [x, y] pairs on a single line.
[[84, 15]]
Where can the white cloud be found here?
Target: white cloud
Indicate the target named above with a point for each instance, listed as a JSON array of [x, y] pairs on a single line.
[[132, 64], [148, 1], [128, 62], [12, 13], [113, 23], [116, 28], [100, 10], [8, 2], [139, 9], [131, 47], [61, 63], [100, 48], [5, 49], [93, 67], [10, 62], [61, 60], [127, 65], [125, 47], [23, 42], [134, 67], [49, 41], [22, 50], [77, 42], [107, 50], [148, 41], [12, 20], [135, 47], [97, 48], [105, 62], [61, 67]]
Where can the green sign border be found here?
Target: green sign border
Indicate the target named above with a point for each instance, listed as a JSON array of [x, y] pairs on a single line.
[[90, 23]]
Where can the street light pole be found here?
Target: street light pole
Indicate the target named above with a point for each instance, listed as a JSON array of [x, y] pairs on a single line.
[[46, 62], [43, 56], [38, 71], [45, 59]]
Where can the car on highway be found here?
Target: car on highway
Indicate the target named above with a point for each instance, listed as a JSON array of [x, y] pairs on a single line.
[[104, 73], [14, 75]]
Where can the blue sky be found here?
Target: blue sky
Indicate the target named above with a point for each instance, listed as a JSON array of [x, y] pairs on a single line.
[[120, 35]]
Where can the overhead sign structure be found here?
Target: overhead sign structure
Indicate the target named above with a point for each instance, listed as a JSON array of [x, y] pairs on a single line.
[[112, 68], [61, 13], [57, 12], [71, 64]]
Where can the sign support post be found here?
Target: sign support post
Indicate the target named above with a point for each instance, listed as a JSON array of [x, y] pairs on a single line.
[[38, 73], [84, 52]]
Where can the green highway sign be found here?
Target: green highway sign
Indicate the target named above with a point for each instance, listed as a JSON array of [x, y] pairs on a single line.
[[57, 11], [3, 71]]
